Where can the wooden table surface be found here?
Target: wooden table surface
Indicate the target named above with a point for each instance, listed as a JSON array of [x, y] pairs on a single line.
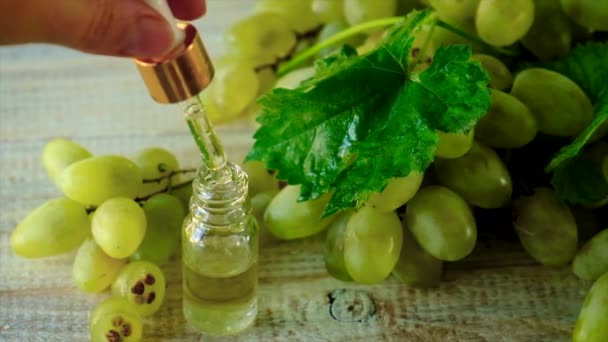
[[497, 294]]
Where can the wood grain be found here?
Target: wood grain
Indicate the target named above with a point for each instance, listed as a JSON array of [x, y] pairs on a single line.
[[496, 294]]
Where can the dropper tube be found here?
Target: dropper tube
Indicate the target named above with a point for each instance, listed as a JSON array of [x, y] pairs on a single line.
[[212, 152]]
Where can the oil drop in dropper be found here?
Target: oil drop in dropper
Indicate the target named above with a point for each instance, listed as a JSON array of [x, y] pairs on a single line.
[[220, 234]]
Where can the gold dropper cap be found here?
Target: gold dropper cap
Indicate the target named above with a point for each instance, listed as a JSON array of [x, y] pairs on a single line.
[[182, 74]]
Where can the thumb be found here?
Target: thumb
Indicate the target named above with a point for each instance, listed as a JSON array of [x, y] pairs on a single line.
[[107, 27]]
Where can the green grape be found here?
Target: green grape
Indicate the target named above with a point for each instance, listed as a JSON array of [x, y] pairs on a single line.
[[592, 320], [461, 12], [442, 223], [559, 105], [591, 261], [371, 42], [93, 270], [260, 180], [332, 28], [288, 219], [480, 177], [155, 163], [164, 216], [508, 123], [416, 267], [500, 76], [234, 88], [115, 319], [360, 11], [454, 145], [397, 192], [333, 253], [259, 203], [267, 79], [94, 180], [293, 79], [588, 13], [372, 243], [143, 285], [546, 227], [60, 153], [550, 36], [119, 226], [299, 14], [183, 194], [58, 226], [262, 34], [329, 11], [502, 23]]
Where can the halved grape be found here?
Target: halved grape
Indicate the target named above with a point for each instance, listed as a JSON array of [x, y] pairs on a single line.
[[93, 270], [500, 76], [93, 180], [546, 227], [264, 33], [502, 23], [155, 163], [442, 223], [360, 11], [299, 14], [333, 253], [397, 192], [115, 319], [372, 244], [58, 226], [559, 105], [60, 153], [142, 284], [454, 145], [288, 219], [416, 267], [592, 320], [591, 261], [164, 217], [508, 123], [119, 226]]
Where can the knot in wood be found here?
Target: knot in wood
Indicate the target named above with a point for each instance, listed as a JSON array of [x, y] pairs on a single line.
[[350, 305]]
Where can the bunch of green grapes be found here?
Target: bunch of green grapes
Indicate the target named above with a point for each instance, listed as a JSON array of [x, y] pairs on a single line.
[[120, 217]]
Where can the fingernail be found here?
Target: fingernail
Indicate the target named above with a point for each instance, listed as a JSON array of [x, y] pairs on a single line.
[[151, 37]]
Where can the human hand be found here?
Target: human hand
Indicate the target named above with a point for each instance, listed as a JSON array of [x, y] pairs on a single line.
[[127, 28]]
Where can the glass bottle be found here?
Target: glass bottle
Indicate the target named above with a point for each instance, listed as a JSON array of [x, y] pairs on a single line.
[[220, 233], [219, 241]]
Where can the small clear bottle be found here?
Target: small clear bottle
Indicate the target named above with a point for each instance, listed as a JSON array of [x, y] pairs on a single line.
[[220, 234], [219, 244]]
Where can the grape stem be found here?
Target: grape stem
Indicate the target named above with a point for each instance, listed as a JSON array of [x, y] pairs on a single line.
[[169, 187], [343, 35], [311, 34], [169, 175]]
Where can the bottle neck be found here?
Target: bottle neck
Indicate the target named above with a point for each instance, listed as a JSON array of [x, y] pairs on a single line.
[[219, 198]]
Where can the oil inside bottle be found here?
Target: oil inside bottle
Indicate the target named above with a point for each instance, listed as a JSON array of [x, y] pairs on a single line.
[[220, 283]]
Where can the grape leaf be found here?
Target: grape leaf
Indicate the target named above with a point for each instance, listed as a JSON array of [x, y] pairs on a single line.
[[580, 180], [587, 66], [363, 120]]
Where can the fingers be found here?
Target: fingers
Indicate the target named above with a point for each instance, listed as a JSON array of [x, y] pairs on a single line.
[[108, 27], [188, 9]]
